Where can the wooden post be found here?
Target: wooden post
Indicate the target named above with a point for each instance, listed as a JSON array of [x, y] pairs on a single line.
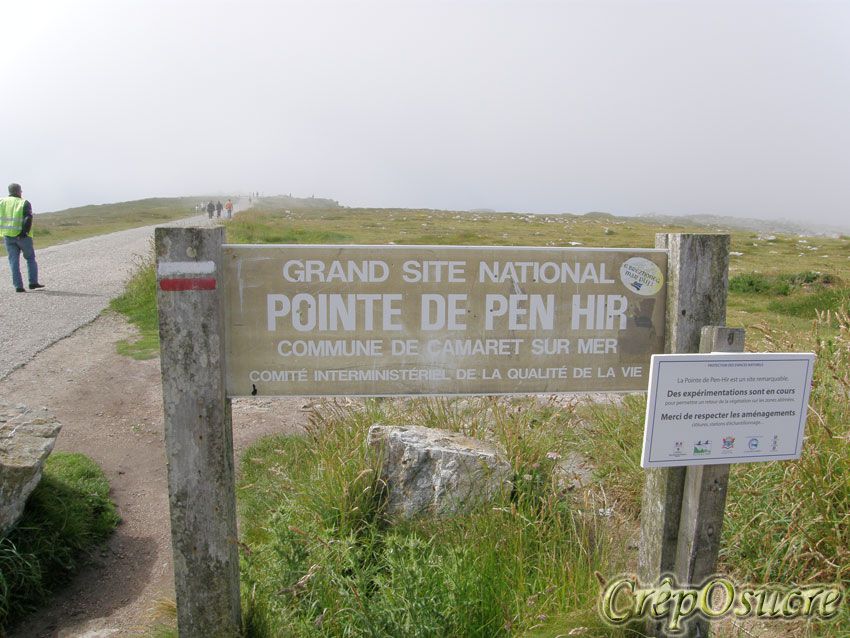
[[198, 434], [697, 282], [704, 501]]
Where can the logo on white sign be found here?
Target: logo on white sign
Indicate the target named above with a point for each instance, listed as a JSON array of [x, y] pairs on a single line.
[[641, 276]]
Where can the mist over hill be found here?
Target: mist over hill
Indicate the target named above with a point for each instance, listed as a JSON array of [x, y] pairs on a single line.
[[288, 201], [720, 222], [712, 222]]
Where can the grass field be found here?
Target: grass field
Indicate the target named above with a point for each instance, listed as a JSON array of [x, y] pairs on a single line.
[[752, 255], [307, 507], [72, 224], [308, 516]]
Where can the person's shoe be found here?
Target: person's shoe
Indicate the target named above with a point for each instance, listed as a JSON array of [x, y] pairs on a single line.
[[34, 286], [19, 290]]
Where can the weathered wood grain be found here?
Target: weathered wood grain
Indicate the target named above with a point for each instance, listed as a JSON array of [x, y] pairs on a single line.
[[199, 441], [697, 283], [704, 501]]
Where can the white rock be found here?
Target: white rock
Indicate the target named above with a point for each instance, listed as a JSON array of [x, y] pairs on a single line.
[[436, 472], [26, 440]]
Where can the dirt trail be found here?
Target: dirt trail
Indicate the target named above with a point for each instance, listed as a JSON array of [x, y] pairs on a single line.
[[110, 408]]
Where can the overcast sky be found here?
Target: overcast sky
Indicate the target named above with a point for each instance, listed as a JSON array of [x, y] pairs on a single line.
[[680, 107]]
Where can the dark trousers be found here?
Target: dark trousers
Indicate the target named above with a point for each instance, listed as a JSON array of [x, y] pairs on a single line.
[[17, 246]]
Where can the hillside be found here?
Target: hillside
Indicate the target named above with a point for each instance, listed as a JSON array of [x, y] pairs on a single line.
[[71, 224], [764, 226]]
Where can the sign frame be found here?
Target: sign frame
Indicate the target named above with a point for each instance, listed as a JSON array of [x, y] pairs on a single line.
[[238, 258], [658, 380]]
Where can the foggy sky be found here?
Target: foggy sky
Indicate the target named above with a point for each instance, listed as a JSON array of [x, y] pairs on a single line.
[[678, 107]]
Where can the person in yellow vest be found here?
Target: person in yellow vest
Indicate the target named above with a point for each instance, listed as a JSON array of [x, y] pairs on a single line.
[[15, 226]]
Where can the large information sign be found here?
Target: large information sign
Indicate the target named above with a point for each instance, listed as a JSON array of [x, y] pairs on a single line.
[[405, 320], [705, 409]]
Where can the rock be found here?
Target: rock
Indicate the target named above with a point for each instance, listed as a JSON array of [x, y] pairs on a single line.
[[437, 472], [572, 473], [26, 440]]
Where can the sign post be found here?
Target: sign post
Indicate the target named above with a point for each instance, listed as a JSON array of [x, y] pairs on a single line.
[[697, 283], [198, 432], [705, 411], [704, 499], [412, 320], [402, 320]]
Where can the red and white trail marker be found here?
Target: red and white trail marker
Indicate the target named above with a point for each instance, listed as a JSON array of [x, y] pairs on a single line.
[[176, 276]]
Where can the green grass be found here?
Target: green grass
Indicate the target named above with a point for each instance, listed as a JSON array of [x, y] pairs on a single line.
[[260, 233], [68, 513], [801, 509], [164, 615], [778, 284], [138, 304], [319, 558], [419, 227], [610, 436], [786, 522], [807, 306]]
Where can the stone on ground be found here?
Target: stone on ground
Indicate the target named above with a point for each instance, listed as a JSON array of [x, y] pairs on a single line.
[[26, 440], [431, 472]]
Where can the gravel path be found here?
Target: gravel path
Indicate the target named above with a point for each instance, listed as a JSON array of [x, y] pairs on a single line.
[[80, 278]]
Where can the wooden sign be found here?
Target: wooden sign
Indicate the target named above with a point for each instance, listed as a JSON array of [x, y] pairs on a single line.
[[408, 320]]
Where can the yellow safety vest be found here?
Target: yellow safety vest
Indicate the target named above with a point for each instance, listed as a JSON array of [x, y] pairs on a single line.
[[11, 216]]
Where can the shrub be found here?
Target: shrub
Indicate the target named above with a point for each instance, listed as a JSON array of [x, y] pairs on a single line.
[[779, 284], [755, 283], [807, 306]]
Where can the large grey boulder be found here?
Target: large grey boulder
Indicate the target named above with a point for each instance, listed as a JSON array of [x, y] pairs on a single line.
[[436, 472], [26, 440]]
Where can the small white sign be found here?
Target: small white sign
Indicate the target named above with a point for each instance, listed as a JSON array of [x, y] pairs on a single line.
[[706, 409]]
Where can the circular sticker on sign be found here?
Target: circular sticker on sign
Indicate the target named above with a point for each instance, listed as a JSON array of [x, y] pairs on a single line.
[[641, 276]]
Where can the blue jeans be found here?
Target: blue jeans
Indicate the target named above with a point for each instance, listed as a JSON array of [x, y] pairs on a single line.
[[15, 246]]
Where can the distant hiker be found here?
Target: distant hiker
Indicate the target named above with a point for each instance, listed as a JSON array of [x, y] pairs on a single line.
[[218, 208], [210, 209], [15, 226], [228, 207]]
